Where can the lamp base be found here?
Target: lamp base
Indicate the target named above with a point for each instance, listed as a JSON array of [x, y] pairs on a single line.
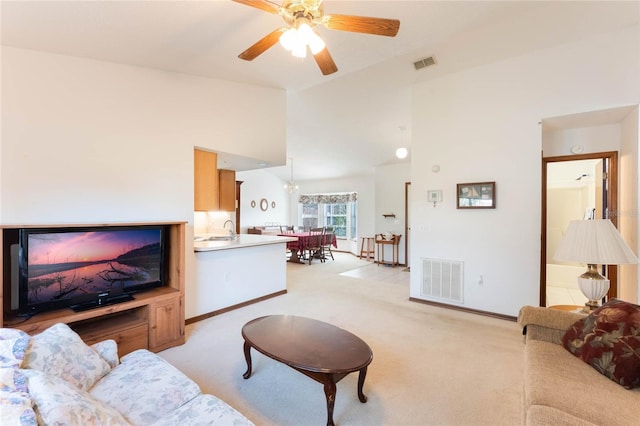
[[594, 286], [590, 306]]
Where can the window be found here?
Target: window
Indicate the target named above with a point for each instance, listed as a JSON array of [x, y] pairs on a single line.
[[339, 211], [336, 215], [309, 215]]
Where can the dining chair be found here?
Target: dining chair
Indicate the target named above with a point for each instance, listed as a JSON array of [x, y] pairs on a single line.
[[314, 244], [286, 229], [327, 242]]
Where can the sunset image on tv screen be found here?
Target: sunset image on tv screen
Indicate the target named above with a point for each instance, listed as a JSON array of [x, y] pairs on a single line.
[[68, 264]]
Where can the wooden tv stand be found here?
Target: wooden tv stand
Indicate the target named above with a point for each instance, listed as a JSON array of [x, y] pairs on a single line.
[[153, 320]]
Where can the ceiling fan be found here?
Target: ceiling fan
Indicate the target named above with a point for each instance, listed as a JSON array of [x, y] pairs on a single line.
[[301, 16]]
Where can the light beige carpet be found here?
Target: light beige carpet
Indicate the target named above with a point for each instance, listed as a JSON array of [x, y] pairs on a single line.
[[431, 366]]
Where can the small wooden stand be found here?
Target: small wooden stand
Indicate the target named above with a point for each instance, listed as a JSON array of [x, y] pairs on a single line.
[[368, 248], [394, 242]]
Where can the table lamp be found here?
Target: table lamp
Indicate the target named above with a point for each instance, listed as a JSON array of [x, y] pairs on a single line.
[[594, 242]]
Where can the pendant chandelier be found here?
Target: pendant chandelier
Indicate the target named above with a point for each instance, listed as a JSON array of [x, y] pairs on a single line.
[[401, 152], [291, 187]]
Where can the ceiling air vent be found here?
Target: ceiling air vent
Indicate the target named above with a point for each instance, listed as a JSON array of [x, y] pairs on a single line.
[[425, 62]]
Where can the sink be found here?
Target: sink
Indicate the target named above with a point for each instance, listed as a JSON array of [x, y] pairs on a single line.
[[216, 238], [222, 238]]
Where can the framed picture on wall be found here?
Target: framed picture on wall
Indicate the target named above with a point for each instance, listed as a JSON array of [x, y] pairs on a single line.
[[477, 195]]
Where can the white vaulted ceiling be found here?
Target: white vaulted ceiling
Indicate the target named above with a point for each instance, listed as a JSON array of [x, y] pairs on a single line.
[[349, 119]]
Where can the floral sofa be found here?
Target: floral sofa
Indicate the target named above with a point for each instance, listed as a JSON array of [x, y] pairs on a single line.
[[582, 369], [55, 378]]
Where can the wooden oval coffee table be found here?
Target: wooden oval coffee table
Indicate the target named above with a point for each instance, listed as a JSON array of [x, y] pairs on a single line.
[[316, 349]]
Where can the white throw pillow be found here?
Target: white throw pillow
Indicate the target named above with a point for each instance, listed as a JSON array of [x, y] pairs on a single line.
[[59, 351], [58, 402], [108, 350]]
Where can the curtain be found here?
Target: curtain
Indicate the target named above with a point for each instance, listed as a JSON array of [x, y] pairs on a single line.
[[335, 198]]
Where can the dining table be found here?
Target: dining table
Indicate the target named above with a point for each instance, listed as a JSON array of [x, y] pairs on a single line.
[[303, 241]]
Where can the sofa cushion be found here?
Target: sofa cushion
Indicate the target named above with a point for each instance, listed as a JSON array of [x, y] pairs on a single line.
[[608, 339], [204, 410], [539, 415], [59, 351], [11, 379], [13, 344], [555, 378], [58, 402], [145, 388], [15, 403]]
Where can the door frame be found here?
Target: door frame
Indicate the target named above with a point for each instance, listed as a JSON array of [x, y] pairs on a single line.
[[611, 213], [238, 204], [407, 228]]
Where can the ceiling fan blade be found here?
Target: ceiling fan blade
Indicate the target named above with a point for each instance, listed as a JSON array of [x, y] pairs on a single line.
[[362, 24], [325, 62], [262, 45], [262, 5]]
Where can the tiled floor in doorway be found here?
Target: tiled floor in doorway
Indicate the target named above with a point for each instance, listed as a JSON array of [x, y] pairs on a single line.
[[376, 272]]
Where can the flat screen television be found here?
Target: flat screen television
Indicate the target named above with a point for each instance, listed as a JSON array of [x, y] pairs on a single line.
[[88, 267]]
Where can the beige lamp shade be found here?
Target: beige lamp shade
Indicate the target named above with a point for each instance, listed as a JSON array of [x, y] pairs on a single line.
[[595, 242]]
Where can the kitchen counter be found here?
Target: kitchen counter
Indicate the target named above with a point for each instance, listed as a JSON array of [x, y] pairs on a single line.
[[232, 274], [242, 240]]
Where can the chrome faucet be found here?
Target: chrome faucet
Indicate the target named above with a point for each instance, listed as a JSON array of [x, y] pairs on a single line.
[[233, 226]]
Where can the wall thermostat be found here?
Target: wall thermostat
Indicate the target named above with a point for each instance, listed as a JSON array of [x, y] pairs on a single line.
[[434, 196]]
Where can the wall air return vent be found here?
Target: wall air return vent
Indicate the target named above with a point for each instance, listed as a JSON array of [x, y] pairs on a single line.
[[425, 62], [442, 279]]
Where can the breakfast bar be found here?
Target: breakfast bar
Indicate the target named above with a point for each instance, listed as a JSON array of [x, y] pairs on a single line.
[[236, 271]]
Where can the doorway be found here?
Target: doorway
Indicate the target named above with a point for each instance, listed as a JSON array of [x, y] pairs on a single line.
[[574, 187]]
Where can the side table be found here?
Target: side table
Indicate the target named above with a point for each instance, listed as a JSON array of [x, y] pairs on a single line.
[[568, 308], [394, 242]]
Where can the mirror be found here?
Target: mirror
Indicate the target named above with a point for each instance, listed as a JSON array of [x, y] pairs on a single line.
[[264, 204]]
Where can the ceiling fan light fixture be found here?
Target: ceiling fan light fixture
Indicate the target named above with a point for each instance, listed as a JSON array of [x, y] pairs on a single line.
[[299, 50], [304, 33], [316, 44], [289, 38], [301, 16]]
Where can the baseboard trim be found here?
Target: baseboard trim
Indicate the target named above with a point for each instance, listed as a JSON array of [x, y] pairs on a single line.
[[463, 309], [233, 307]]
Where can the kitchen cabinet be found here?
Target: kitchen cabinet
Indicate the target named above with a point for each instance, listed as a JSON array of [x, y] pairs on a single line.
[[214, 189], [227, 190], [205, 181]]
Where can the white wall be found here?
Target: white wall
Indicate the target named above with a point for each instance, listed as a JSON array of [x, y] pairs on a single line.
[[85, 141], [482, 125], [259, 184], [592, 139], [628, 202]]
